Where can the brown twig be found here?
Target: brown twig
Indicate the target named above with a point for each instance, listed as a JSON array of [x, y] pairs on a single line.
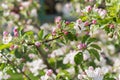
[[46, 40], [43, 53], [51, 39], [44, 58]]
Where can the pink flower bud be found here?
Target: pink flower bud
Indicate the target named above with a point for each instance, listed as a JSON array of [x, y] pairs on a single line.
[[81, 46], [87, 32], [84, 45], [58, 19], [54, 32], [88, 8], [37, 43], [79, 21], [86, 23], [16, 34], [49, 72], [46, 49], [15, 29], [94, 21], [11, 47], [67, 22], [111, 26], [5, 33], [58, 25], [65, 32]]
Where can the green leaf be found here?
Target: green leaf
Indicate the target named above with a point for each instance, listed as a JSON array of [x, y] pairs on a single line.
[[28, 33], [73, 31], [47, 36], [63, 24], [84, 18], [4, 46], [2, 65], [71, 25], [94, 53], [84, 39], [63, 75], [71, 36], [90, 40], [108, 76], [78, 58], [18, 54], [40, 34], [21, 31], [107, 29], [95, 46], [76, 69]]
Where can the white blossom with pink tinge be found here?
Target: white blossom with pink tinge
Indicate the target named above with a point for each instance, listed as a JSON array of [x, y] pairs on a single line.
[[6, 37]]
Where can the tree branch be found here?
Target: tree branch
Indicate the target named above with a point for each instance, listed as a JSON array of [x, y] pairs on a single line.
[[43, 53], [46, 40], [10, 62], [44, 58]]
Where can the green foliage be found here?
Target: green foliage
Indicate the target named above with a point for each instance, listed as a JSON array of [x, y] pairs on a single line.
[[63, 75], [108, 76], [4, 46], [78, 58], [90, 40], [70, 36], [40, 34], [95, 46], [94, 53], [37, 44]]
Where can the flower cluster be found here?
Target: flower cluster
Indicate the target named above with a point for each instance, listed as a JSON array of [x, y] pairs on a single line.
[[83, 44]]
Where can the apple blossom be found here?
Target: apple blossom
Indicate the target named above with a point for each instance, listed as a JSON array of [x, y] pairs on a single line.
[[37, 43], [95, 74], [49, 72], [81, 46], [58, 19], [5, 33], [102, 13], [58, 25], [94, 21], [6, 37], [79, 21], [54, 31], [88, 8]]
